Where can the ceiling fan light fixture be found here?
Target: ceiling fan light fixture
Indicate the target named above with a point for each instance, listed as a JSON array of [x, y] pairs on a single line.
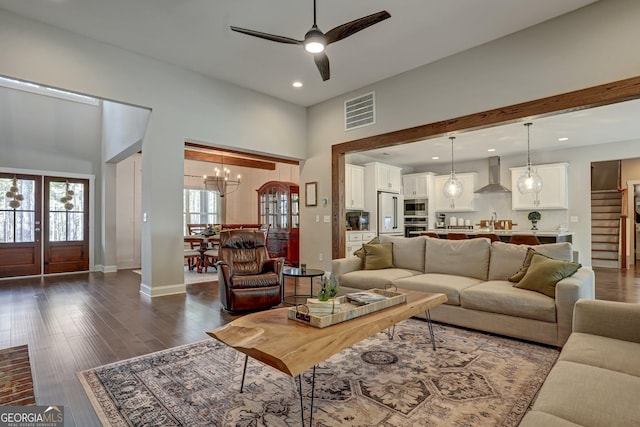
[[314, 41]]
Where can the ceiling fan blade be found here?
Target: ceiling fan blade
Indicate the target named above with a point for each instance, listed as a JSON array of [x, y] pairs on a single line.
[[350, 28], [322, 62], [272, 37]]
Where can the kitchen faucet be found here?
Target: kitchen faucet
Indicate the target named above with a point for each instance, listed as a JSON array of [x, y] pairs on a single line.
[[492, 221]]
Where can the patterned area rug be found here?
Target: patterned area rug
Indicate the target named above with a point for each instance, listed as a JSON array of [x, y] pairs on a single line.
[[16, 382], [473, 379]]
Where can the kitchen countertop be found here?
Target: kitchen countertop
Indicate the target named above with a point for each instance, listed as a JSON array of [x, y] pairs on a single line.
[[541, 233]]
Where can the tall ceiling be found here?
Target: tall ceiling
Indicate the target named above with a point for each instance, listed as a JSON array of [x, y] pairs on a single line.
[[195, 34]]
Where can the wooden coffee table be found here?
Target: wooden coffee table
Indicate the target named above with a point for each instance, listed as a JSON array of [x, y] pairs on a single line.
[[293, 347]]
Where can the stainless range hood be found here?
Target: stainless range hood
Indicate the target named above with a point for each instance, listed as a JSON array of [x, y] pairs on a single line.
[[494, 178]]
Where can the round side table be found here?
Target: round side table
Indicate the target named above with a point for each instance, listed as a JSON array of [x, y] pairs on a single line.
[[297, 273]]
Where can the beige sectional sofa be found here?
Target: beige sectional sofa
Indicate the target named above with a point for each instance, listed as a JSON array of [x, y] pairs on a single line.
[[474, 275], [596, 381]]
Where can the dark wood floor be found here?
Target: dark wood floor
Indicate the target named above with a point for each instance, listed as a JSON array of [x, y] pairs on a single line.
[[77, 322]]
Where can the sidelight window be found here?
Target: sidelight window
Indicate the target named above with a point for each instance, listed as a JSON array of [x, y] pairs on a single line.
[[17, 225]]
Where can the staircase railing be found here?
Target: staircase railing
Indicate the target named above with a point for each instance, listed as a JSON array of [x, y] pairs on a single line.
[[623, 229]]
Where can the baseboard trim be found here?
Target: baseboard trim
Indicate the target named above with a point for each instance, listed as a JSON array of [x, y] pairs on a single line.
[[160, 291], [107, 268]]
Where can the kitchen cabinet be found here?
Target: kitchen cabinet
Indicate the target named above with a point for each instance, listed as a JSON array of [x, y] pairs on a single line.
[[355, 239], [279, 206], [466, 201], [386, 177], [554, 193], [354, 187], [417, 185]]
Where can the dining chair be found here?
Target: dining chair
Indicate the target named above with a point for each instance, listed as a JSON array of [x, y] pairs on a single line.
[[430, 234], [457, 236], [491, 236], [524, 239], [192, 256]]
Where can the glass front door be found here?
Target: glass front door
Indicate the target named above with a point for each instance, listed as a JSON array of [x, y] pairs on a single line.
[[20, 230]]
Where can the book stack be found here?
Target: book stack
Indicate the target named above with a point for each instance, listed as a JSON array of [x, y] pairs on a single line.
[[365, 297]]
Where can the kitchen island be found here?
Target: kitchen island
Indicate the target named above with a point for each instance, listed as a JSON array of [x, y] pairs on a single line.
[[545, 236]]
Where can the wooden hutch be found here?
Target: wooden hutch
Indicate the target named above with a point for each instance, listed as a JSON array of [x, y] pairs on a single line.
[[279, 206]]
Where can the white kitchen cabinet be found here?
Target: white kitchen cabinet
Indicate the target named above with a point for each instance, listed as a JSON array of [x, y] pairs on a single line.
[[386, 177], [355, 239], [554, 193], [466, 201], [354, 187], [417, 185]]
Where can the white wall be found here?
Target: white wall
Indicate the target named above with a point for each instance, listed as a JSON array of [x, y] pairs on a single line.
[[581, 49], [185, 105]]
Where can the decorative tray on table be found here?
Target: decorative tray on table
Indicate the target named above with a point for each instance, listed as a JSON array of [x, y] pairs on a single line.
[[349, 309]]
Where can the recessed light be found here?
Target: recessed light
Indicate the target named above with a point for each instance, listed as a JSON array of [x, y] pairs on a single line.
[[563, 139], [491, 150], [297, 84], [435, 158]]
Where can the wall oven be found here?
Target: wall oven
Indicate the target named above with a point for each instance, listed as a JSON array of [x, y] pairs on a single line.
[[415, 207]]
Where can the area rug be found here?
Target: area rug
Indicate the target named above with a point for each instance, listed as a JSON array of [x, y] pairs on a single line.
[[16, 382], [472, 379]]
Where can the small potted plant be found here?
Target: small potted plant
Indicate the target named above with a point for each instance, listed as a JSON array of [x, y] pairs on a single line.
[[326, 303], [534, 217]]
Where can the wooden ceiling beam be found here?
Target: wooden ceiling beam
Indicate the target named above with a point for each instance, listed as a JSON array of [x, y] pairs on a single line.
[[228, 160], [242, 153]]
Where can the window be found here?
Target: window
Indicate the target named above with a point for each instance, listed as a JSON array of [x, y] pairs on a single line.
[[201, 207], [17, 225], [66, 217]]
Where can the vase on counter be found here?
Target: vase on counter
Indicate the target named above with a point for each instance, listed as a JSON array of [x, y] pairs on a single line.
[[534, 225]]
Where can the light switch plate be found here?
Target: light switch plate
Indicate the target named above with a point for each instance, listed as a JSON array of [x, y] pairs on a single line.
[[573, 218], [327, 218]]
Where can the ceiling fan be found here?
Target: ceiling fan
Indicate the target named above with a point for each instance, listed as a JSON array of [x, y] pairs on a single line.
[[315, 40]]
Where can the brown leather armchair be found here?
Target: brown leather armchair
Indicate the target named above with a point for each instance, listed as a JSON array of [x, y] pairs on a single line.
[[248, 279]]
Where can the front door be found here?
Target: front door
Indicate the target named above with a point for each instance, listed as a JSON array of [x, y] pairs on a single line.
[[66, 230], [20, 229]]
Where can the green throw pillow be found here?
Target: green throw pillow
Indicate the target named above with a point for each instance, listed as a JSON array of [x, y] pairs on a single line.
[[544, 273], [360, 252], [525, 265], [378, 256]]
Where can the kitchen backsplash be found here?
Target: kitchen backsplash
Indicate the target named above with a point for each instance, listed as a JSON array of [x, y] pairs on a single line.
[[486, 204]]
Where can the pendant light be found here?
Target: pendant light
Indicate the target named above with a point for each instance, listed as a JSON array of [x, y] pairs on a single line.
[[529, 182], [452, 187]]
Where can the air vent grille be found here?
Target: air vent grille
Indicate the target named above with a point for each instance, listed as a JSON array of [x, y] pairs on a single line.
[[360, 111]]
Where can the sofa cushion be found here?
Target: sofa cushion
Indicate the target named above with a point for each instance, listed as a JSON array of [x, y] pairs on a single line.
[[377, 256], [560, 251], [538, 418], [603, 352], [360, 252], [408, 252], [506, 260], [590, 396], [369, 279], [469, 258], [447, 284], [544, 273], [499, 296]]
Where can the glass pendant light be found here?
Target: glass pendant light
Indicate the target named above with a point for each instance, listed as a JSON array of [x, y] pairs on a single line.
[[529, 182], [452, 187]]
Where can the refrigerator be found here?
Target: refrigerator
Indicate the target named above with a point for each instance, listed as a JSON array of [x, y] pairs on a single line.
[[390, 214]]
